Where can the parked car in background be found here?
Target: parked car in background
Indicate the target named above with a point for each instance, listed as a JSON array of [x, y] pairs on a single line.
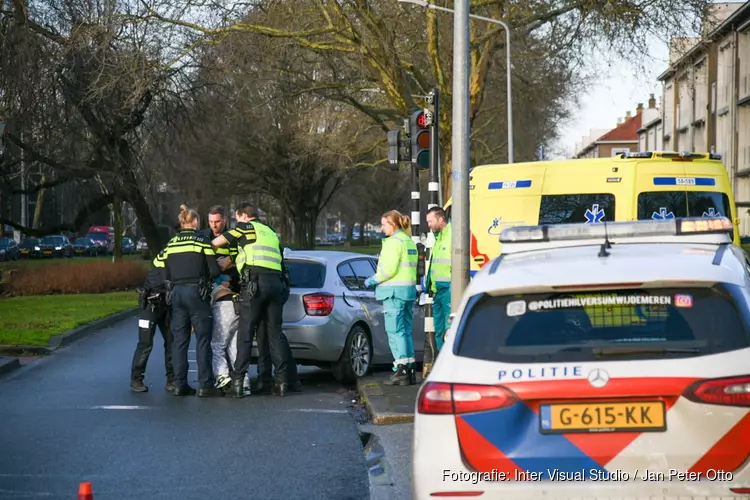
[[9, 249], [30, 248], [102, 236], [85, 246], [142, 245], [331, 320], [56, 246], [128, 246]]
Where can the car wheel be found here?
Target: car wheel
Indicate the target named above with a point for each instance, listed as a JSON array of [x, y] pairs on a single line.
[[356, 358]]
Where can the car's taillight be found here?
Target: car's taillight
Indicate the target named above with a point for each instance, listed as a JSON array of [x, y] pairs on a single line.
[[318, 304], [729, 391], [440, 398]]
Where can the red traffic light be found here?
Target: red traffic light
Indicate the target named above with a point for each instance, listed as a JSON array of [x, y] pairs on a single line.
[[422, 121]]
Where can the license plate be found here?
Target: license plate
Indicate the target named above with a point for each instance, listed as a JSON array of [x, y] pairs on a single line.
[[637, 416], [24, 251], [48, 252]]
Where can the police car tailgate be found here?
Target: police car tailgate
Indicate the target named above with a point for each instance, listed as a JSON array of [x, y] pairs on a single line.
[[602, 384]]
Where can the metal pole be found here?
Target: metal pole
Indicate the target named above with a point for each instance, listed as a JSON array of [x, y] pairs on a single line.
[[461, 154], [510, 100], [434, 185], [415, 212]]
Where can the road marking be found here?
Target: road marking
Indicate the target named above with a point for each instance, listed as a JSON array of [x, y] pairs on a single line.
[[120, 407], [315, 410]]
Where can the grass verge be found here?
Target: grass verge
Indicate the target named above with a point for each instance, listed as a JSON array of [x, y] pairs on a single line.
[[33, 320]]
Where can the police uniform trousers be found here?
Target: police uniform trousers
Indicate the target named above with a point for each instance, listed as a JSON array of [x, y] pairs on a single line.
[[265, 366], [265, 305], [154, 314], [189, 309]]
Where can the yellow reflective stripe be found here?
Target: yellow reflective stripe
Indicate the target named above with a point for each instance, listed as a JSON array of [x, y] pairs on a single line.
[[184, 249]]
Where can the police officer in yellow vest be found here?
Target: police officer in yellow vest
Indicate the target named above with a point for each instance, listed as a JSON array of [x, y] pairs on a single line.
[[438, 275], [396, 286], [260, 264]]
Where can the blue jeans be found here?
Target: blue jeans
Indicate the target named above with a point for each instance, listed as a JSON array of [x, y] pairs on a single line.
[[399, 320], [188, 309]]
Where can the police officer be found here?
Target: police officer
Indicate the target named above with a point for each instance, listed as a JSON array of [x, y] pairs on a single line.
[[154, 312], [190, 265], [438, 275], [260, 263], [396, 285], [265, 366]]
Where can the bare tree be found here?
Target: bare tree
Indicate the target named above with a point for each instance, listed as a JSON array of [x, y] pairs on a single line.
[[404, 51]]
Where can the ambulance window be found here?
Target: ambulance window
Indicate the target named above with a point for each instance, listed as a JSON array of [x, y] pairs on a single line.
[[576, 208], [650, 323], [670, 204]]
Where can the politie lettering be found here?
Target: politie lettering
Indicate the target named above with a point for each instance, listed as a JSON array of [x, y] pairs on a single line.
[[541, 372]]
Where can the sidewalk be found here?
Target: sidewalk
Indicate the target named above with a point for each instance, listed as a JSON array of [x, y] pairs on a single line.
[[388, 404]]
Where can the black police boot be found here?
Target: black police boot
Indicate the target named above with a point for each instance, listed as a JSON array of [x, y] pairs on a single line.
[[281, 389], [295, 386], [185, 390], [210, 392], [137, 385], [237, 389], [400, 377], [412, 368]]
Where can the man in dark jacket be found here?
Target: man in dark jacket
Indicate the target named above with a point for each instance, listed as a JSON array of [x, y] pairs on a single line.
[[154, 312]]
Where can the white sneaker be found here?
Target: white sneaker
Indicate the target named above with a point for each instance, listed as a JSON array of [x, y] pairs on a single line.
[[222, 381]]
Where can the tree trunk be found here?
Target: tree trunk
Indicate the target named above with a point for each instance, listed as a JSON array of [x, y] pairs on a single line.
[[364, 240], [117, 211], [39, 205]]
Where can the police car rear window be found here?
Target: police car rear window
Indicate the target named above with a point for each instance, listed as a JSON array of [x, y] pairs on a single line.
[[306, 274], [621, 324]]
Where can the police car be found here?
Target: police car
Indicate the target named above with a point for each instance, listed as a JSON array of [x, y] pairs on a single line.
[[595, 361]]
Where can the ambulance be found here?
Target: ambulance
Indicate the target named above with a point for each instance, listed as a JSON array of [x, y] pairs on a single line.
[[627, 187]]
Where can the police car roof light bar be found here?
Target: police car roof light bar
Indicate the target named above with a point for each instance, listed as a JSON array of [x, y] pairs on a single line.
[[615, 230]]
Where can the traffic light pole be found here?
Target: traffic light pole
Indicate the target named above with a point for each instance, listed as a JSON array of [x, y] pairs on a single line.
[[430, 345]]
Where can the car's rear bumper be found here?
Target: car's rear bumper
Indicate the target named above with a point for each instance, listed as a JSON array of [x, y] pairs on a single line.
[[438, 469], [314, 339]]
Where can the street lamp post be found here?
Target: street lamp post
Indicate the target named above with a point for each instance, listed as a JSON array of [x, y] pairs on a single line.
[[424, 3]]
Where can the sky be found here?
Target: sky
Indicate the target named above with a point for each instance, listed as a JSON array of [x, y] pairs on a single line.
[[620, 89]]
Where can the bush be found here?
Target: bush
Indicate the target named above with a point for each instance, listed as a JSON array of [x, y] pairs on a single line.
[[93, 277]]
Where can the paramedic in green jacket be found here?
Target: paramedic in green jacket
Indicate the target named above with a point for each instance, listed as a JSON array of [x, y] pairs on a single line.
[[438, 274], [396, 286]]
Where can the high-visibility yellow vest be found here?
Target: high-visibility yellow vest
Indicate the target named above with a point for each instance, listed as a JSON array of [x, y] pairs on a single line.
[[263, 252], [439, 266], [399, 254]]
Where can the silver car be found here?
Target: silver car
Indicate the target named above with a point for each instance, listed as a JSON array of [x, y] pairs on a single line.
[[331, 320]]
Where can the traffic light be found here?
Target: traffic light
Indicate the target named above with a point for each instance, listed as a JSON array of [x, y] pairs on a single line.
[[420, 125]]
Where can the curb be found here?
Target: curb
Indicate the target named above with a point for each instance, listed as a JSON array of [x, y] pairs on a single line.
[[9, 354], [7, 365], [88, 328], [378, 405]]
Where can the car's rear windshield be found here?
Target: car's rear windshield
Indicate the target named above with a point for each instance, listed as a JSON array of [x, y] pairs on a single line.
[[306, 274], [624, 324]]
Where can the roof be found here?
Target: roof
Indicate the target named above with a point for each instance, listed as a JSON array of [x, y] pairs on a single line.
[[324, 255], [627, 263], [626, 131]]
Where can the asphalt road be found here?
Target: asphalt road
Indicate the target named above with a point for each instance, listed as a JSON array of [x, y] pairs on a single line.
[[71, 417]]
